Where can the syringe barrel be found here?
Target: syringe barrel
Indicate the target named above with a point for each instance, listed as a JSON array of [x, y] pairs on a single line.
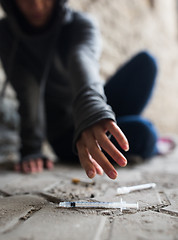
[[121, 205], [81, 204]]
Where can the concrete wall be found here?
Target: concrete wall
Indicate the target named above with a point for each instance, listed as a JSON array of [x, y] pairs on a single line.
[[130, 26]]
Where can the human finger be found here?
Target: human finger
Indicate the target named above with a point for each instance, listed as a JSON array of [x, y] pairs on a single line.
[[101, 159], [49, 164], [25, 167], [39, 164], [109, 147], [33, 166], [85, 161], [98, 168], [118, 135]]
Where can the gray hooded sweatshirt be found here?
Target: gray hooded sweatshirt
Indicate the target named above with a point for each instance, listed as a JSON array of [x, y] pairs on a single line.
[[58, 63]]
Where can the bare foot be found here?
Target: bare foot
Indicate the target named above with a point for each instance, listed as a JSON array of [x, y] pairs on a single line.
[[33, 165]]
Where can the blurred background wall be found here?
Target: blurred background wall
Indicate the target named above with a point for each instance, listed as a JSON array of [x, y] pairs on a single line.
[[127, 27], [130, 26]]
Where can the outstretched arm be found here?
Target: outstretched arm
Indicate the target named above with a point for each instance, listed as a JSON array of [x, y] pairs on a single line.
[[93, 117]]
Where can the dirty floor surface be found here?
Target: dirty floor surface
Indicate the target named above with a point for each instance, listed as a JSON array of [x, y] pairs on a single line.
[[29, 204]]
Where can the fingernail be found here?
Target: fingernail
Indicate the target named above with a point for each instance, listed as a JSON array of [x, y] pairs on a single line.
[[112, 174], [126, 147], [124, 163], [91, 174]]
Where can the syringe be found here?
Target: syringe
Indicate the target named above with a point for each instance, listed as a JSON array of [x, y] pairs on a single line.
[[81, 204], [125, 190]]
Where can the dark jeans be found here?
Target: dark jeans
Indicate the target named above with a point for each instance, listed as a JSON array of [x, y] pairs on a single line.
[[128, 92]]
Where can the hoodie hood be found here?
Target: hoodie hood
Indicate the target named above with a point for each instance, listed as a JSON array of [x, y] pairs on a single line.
[[32, 37], [21, 26]]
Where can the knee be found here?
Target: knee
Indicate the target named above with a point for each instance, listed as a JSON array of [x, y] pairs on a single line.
[[148, 62]]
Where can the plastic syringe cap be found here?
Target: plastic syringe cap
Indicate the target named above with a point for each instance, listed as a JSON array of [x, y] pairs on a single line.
[[122, 190]]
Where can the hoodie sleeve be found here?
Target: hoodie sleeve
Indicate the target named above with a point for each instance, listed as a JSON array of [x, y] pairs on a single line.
[[30, 110], [89, 101], [31, 113], [28, 93]]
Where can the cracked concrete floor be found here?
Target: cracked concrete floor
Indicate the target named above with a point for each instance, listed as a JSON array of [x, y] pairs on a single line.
[[29, 204]]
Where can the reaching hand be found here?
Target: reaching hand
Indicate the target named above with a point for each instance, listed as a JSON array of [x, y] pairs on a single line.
[[33, 165], [89, 146]]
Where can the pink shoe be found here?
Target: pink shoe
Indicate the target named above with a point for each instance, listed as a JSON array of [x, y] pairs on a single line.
[[165, 145]]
